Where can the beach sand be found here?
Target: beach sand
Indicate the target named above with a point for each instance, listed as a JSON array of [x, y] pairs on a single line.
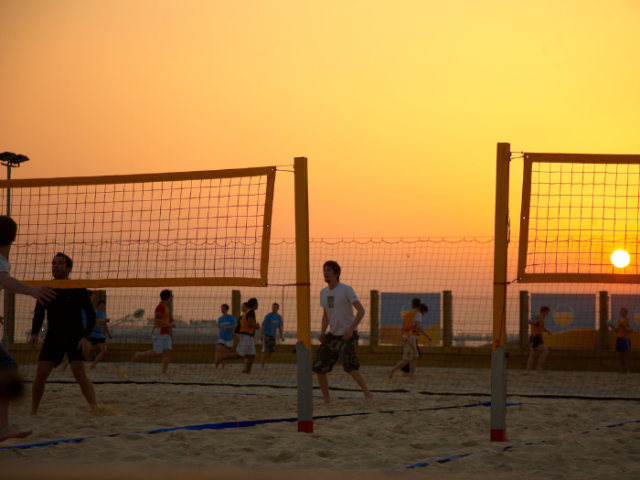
[[355, 446]]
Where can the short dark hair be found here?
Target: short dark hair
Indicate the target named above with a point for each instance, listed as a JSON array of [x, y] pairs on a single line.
[[90, 293], [544, 308], [415, 303], [100, 302], [333, 265], [252, 303], [224, 305], [67, 260], [250, 314], [275, 305], [165, 295], [423, 308], [244, 304], [8, 230]]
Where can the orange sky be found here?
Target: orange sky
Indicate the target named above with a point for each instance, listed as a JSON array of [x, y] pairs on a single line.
[[397, 105]]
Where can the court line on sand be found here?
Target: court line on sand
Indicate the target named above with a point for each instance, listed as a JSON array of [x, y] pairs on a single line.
[[507, 447], [238, 424]]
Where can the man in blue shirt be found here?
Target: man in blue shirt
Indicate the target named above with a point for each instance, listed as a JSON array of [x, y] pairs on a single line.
[[226, 326], [272, 323], [97, 336]]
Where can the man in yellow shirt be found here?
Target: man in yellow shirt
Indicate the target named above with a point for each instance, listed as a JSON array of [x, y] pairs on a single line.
[[623, 342], [535, 340]]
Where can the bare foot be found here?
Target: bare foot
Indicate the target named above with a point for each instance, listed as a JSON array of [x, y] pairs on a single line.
[[135, 357], [33, 413], [390, 374], [543, 372], [369, 401], [7, 432]]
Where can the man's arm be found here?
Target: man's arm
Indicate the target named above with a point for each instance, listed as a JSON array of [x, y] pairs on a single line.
[[41, 294], [422, 331], [325, 325], [359, 316], [36, 324]]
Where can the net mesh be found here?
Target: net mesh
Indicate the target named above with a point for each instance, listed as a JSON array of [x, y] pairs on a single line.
[[577, 214], [582, 360], [141, 228]]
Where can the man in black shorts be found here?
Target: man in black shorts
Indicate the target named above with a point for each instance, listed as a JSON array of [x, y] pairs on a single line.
[[65, 334]]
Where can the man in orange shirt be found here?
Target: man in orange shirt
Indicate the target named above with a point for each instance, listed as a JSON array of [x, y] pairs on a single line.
[[623, 342], [161, 333], [535, 339], [411, 326]]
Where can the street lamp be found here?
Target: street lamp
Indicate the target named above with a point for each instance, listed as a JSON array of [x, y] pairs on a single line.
[[8, 159]]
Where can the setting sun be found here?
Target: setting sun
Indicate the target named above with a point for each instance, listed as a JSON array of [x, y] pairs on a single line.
[[620, 258]]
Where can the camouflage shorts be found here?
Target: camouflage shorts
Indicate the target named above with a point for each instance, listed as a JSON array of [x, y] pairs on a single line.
[[334, 348]]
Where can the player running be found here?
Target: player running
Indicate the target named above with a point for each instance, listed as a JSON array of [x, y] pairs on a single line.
[[226, 326], [163, 323], [98, 334], [411, 327], [65, 334], [246, 348], [535, 339], [623, 342], [338, 301], [271, 324]]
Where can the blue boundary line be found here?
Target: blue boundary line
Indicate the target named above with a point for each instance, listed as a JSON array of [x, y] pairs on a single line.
[[237, 424], [506, 447]]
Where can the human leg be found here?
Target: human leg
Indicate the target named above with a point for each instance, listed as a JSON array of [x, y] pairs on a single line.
[[397, 367], [166, 358], [323, 381], [627, 358], [80, 374], [10, 389], [532, 359], [103, 351], [248, 363], [43, 370], [148, 353], [543, 356], [362, 383]]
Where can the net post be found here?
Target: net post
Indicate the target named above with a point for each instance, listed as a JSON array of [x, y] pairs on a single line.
[[236, 303], [303, 297], [374, 318], [447, 319], [524, 319], [499, 338], [603, 316]]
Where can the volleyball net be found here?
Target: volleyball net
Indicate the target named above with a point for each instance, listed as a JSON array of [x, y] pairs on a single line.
[[451, 276], [188, 228]]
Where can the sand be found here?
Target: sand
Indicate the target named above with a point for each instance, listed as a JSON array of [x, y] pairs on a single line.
[[356, 446]]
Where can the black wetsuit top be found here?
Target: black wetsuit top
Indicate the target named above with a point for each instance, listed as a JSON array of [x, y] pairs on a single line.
[[64, 315]]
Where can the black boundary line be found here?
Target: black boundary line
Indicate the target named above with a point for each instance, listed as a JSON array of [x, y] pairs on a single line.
[[342, 389]]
